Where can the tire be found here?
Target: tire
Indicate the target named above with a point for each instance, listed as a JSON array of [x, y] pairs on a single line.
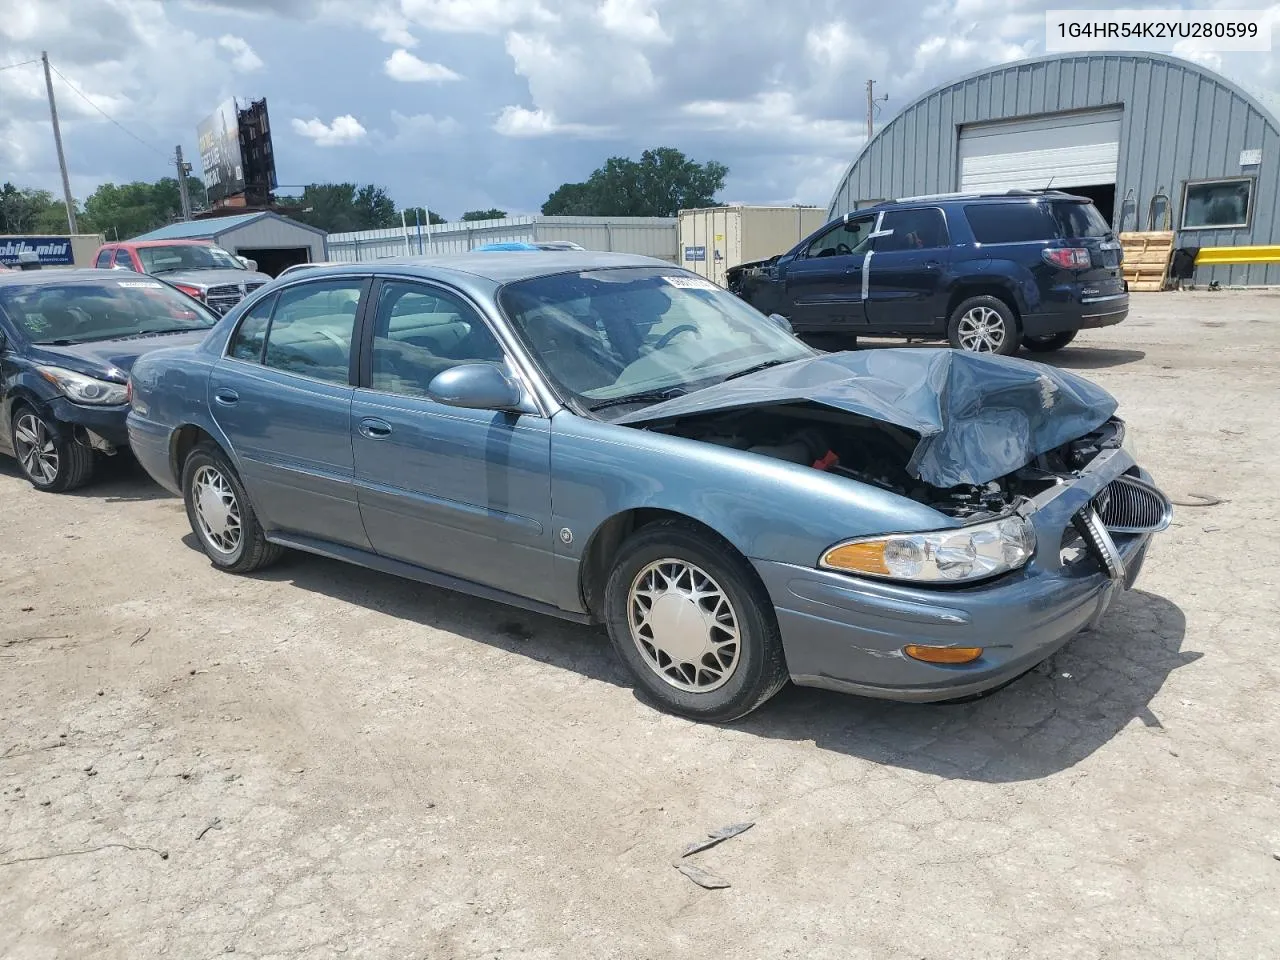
[[1050, 342], [984, 325], [235, 542], [675, 558], [47, 451]]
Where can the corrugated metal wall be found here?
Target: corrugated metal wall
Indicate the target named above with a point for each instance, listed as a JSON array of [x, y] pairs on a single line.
[[1180, 123], [270, 232], [647, 236]]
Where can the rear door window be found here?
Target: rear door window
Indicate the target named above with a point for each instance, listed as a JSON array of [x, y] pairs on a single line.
[[912, 230], [312, 327], [1079, 220], [1010, 222]]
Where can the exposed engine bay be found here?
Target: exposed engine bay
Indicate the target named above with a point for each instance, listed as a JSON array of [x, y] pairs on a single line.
[[877, 453]]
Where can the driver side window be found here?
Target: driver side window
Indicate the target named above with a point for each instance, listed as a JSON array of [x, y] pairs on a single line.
[[843, 239]]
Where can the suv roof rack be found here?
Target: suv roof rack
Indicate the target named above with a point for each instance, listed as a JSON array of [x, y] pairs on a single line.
[[983, 195]]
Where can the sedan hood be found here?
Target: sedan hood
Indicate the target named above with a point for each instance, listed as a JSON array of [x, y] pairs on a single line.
[[111, 359], [978, 417], [213, 278]]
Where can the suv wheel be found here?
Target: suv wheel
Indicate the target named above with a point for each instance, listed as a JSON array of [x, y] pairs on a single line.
[[49, 455], [1049, 342], [693, 624], [984, 325]]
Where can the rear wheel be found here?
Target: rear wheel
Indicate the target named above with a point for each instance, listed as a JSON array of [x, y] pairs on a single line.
[[48, 453], [984, 325], [1049, 342], [221, 516], [691, 621]]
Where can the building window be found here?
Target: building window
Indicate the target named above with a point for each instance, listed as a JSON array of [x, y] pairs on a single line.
[[1217, 204]]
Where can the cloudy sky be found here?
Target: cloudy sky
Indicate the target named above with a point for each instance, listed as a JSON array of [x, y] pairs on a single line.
[[462, 104]]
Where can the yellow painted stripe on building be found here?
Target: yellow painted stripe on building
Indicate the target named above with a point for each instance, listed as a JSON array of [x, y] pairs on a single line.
[[1209, 256]]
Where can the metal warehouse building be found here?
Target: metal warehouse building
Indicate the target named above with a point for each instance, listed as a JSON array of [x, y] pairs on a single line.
[[1121, 128], [275, 242]]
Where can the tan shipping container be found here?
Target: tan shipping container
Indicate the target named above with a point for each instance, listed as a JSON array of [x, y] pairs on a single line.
[[713, 239]]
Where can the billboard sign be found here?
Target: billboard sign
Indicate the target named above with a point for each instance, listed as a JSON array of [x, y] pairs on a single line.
[[221, 164], [50, 251]]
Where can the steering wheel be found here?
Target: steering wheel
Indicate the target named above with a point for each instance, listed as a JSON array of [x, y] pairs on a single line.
[[843, 248], [672, 334]]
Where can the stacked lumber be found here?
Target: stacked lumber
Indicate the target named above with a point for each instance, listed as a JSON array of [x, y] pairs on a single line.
[[1146, 258]]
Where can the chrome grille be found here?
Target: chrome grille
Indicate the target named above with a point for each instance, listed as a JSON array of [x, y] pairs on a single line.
[[222, 298], [1099, 543], [1128, 505]]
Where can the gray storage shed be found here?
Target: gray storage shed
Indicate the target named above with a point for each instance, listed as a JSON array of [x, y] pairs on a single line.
[[275, 242], [1120, 128]]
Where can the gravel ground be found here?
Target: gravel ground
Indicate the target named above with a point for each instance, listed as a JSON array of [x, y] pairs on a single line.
[[320, 761]]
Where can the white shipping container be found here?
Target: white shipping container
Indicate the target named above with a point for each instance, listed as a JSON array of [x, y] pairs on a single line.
[[713, 239]]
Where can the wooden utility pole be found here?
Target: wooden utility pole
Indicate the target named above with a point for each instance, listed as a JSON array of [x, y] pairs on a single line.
[[57, 142], [183, 169]]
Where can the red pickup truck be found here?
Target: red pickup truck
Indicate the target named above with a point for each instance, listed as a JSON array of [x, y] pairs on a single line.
[[196, 267]]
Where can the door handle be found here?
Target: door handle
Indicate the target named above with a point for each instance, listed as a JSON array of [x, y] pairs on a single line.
[[932, 264], [226, 396], [375, 429]]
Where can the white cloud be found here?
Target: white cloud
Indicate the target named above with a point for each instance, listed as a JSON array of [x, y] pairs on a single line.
[[520, 122], [405, 67], [475, 16], [242, 56], [344, 130], [777, 115], [422, 130], [633, 19], [391, 26]]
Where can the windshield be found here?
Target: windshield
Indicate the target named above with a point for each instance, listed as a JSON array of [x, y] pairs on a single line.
[[103, 310], [1077, 220], [190, 256], [606, 335]]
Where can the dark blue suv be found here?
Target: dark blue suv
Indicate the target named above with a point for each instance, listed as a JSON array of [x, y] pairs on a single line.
[[988, 272]]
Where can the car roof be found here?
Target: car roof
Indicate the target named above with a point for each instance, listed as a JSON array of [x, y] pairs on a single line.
[[1005, 196], [500, 266], [41, 278]]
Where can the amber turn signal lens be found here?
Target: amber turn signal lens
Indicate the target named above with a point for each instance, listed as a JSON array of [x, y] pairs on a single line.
[[942, 654], [867, 557]]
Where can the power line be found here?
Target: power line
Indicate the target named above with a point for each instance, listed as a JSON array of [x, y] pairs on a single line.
[[10, 66], [76, 90]]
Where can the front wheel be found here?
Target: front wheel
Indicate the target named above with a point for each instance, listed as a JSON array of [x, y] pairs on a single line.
[[50, 457], [693, 624], [984, 325], [1049, 342], [220, 514]]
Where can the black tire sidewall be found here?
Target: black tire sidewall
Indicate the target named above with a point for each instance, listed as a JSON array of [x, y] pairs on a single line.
[[61, 443], [1013, 336], [205, 457], [759, 645]]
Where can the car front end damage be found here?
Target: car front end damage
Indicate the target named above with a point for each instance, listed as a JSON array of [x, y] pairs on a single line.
[[1043, 514]]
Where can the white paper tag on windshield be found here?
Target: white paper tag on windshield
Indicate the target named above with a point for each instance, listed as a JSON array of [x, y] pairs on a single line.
[[143, 284], [691, 283]]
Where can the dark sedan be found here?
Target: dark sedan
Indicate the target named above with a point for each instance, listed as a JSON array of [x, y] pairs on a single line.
[[68, 339]]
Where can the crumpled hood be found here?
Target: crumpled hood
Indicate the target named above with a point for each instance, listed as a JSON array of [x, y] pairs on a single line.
[[213, 278], [978, 416]]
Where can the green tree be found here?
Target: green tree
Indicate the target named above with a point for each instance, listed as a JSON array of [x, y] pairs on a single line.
[[662, 182], [423, 215], [129, 209], [493, 213], [375, 208], [345, 207], [32, 211]]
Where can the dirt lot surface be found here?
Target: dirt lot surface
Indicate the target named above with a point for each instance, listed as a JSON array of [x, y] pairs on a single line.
[[324, 762]]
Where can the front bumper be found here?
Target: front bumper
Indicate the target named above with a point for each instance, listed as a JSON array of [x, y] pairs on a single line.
[[848, 634], [104, 427]]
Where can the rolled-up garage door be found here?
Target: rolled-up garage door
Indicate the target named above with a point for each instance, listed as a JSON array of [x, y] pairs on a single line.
[[1062, 150]]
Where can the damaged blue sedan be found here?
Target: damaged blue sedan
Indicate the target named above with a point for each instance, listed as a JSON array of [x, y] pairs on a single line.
[[611, 439]]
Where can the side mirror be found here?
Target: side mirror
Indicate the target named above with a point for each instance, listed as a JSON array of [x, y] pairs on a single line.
[[475, 386], [781, 321], [249, 264]]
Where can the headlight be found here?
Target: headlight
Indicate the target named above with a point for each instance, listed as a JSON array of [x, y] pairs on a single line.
[[82, 389], [946, 556]]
